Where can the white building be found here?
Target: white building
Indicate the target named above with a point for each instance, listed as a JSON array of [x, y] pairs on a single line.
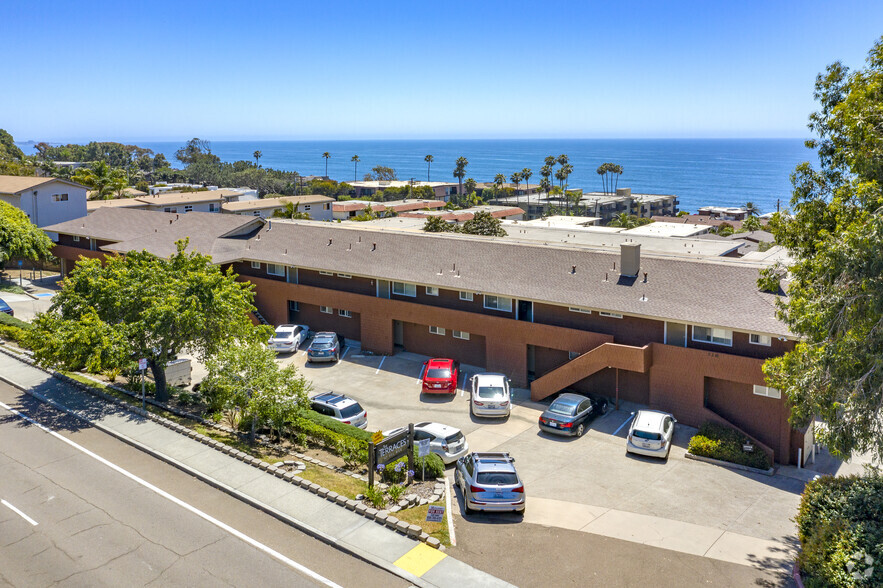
[[46, 201], [317, 206]]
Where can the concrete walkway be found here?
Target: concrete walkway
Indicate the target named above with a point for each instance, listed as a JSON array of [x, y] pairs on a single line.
[[350, 532]]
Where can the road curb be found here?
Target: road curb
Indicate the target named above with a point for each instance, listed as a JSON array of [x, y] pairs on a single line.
[[732, 466]]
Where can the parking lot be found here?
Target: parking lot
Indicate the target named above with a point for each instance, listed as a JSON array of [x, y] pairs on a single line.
[[586, 483]]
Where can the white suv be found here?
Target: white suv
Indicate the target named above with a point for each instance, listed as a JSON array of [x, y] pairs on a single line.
[[288, 338], [490, 396], [340, 408], [650, 433]]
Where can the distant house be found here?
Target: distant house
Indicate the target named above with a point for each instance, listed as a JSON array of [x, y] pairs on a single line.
[[317, 206], [204, 201], [441, 190], [460, 216], [46, 201], [350, 208]]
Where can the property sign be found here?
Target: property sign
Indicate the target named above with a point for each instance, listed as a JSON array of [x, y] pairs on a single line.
[[392, 448], [377, 437], [142, 364], [435, 514], [422, 447]]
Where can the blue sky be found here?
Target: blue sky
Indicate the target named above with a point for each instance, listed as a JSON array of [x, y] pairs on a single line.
[[157, 70]]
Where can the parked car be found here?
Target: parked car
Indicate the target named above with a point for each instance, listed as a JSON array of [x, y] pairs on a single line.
[[440, 376], [489, 482], [324, 347], [288, 338], [341, 408], [490, 396], [650, 433], [569, 414], [5, 308], [447, 442]]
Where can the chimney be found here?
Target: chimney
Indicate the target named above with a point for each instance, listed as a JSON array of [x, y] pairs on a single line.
[[630, 261]]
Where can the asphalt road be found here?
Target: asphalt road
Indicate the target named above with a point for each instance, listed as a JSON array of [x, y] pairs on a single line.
[[97, 526]]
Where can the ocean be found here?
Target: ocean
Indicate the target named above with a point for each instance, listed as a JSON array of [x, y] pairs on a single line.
[[701, 172]]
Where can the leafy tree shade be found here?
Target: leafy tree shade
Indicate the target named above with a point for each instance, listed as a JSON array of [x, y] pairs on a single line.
[[110, 312], [725, 229], [19, 237], [751, 224], [835, 237], [436, 224], [428, 159]]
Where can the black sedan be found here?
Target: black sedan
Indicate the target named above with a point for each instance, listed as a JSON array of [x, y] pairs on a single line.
[[570, 413]]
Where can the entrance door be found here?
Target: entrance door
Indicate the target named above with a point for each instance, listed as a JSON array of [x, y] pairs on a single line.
[[398, 333], [676, 334], [531, 364], [383, 288], [525, 310]]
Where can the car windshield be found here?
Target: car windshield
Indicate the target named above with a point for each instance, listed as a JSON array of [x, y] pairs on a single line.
[[284, 333], [497, 478], [322, 344], [490, 392], [454, 438], [646, 435], [438, 373], [563, 408], [351, 410]]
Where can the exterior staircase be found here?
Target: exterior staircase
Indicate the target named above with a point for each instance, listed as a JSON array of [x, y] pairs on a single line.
[[260, 318], [606, 355]]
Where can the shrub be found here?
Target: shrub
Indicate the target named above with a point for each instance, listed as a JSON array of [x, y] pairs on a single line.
[[435, 467], [840, 527], [13, 333], [375, 496], [725, 443], [395, 492], [337, 426], [328, 438], [11, 321]]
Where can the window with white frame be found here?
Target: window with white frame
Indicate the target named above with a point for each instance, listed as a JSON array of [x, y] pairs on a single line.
[[59, 198], [169, 209], [275, 269], [188, 208], [76, 238], [577, 309], [610, 314], [404, 289], [321, 273], [256, 265], [436, 330], [431, 291], [713, 335], [767, 391], [212, 207], [345, 313], [498, 303], [760, 339], [326, 310], [293, 306], [460, 335], [345, 276], [466, 296]]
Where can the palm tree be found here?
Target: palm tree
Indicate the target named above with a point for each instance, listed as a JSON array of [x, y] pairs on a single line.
[[355, 159], [101, 178], [499, 180], [546, 173], [623, 220], [428, 159], [751, 209], [515, 178], [257, 156], [327, 156], [525, 175], [460, 173]]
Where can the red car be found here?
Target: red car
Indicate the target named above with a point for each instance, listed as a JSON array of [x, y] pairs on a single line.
[[440, 376]]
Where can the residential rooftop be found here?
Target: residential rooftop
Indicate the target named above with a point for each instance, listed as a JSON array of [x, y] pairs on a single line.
[[266, 203], [17, 184]]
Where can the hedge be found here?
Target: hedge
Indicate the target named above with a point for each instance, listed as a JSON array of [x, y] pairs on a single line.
[[14, 329], [725, 443], [840, 527], [337, 426], [11, 321]]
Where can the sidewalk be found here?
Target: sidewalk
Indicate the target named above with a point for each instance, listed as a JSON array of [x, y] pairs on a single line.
[[321, 518]]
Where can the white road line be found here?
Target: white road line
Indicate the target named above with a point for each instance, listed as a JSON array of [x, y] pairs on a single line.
[[18, 512], [448, 491], [236, 533], [420, 377], [345, 351], [463, 387], [382, 359], [624, 424]]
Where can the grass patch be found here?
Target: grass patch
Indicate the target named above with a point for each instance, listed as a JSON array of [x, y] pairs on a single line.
[[417, 516], [340, 483], [11, 288], [128, 399], [236, 442]]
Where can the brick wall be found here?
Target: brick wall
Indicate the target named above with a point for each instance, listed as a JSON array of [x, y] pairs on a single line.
[[628, 330], [418, 339], [309, 314]]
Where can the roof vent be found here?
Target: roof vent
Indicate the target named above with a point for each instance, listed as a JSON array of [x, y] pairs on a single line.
[[645, 277], [269, 225], [573, 269], [285, 252], [630, 259], [373, 246], [259, 236], [330, 241]]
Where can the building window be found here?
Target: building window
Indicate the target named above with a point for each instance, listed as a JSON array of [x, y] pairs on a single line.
[[760, 339], [188, 208], [767, 391], [431, 291], [76, 238], [573, 354], [59, 198], [328, 206], [466, 296], [345, 276], [712, 335], [326, 310], [577, 309], [460, 335], [403, 289], [256, 213], [275, 269], [292, 306], [168, 209], [610, 314], [498, 303], [212, 207], [436, 330], [256, 265], [306, 206], [326, 273], [345, 313]]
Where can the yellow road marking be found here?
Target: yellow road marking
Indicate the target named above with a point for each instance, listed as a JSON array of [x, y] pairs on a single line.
[[420, 560]]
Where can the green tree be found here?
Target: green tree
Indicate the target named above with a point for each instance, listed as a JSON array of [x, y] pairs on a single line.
[[469, 185], [113, 310], [327, 156], [460, 173], [244, 381], [835, 237], [436, 224], [382, 173], [101, 178], [355, 159], [525, 175], [8, 149], [751, 209], [428, 159], [725, 229], [499, 182], [289, 210], [483, 223], [257, 157], [194, 150], [752, 224], [19, 237]]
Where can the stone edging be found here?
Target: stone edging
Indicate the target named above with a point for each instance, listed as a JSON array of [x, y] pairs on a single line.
[[383, 517], [731, 465]]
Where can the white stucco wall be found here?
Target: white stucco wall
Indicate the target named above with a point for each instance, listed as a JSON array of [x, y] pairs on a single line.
[[43, 210]]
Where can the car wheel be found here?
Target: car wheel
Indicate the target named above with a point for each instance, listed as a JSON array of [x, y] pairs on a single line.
[[603, 407], [580, 430], [471, 409]]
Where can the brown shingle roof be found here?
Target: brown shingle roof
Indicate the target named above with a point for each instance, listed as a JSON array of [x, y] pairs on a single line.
[[113, 224], [264, 203], [16, 184]]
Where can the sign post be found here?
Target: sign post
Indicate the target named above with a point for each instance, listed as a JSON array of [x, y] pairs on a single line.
[[434, 514], [423, 451], [382, 451], [142, 365], [20, 263]]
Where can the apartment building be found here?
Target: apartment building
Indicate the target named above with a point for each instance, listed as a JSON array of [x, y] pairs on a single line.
[[46, 201], [316, 205], [681, 334], [595, 204]]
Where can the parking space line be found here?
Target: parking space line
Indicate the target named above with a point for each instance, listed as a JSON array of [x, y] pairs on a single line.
[[345, 351], [382, 359], [420, 377], [19, 513], [463, 387], [624, 424]]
